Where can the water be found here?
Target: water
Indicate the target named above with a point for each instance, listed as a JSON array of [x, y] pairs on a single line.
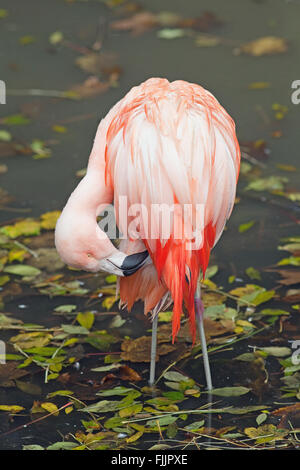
[[44, 185]]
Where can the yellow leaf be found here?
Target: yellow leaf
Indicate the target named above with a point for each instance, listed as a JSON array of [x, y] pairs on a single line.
[[108, 302], [134, 437], [238, 330], [35, 339], [59, 129], [16, 254], [49, 220], [50, 407], [27, 227], [86, 319], [69, 409], [11, 408]]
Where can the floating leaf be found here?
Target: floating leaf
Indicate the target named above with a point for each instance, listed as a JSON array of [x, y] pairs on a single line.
[[56, 38], [253, 273], [11, 408], [15, 120], [244, 227], [49, 219], [277, 351], [271, 183], [22, 270], [5, 136], [265, 46], [86, 319], [168, 33], [50, 407], [75, 330], [230, 391]]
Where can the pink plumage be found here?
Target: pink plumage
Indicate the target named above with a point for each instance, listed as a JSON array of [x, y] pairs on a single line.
[[167, 144]]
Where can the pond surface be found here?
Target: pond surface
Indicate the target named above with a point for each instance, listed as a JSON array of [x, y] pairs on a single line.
[[256, 91]]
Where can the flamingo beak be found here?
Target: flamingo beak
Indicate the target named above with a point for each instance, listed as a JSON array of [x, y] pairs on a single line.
[[124, 265]]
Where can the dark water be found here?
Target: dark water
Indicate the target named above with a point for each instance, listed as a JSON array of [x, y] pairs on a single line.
[[44, 185]]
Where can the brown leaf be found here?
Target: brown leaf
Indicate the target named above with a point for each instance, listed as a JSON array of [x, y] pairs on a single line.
[[90, 87], [290, 277], [206, 22], [265, 46], [136, 24], [138, 350], [126, 373], [9, 372], [95, 63]]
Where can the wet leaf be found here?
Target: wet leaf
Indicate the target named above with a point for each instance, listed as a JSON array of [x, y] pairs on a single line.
[[64, 445], [246, 226], [25, 40], [33, 339], [11, 408], [292, 260], [265, 46], [168, 33], [130, 410], [175, 376], [230, 391], [30, 388], [164, 421], [261, 418], [277, 351], [138, 350], [15, 120], [22, 270], [50, 407], [5, 136], [253, 273], [49, 219], [75, 330], [271, 183], [136, 24], [259, 85], [56, 38], [86, 319], [196, 425], [266, 433]]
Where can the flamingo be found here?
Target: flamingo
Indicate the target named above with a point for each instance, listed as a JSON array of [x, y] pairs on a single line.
[[164, 143]]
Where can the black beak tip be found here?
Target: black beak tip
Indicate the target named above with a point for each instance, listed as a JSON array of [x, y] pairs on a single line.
[[134, 262]]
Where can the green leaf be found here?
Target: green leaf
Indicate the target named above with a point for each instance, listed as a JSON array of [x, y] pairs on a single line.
[[194, 426], [15, 120], [292, 260], [168, 33], [244, 227], [33, 447], [75, 330], [62, 445], [86, 319], [273, 311], [5, 136], [230, 391], [253, 273], [277, 351], [117, 391], [261, 418], [22, 270], [164, 421], [67, 308], [56, 37], [175, 376], [272, 183]]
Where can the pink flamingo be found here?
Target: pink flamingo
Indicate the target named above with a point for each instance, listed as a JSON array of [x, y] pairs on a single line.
[[168, 144]]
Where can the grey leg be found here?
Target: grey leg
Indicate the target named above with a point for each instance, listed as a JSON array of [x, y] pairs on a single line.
[[199, 319], [153, 350]]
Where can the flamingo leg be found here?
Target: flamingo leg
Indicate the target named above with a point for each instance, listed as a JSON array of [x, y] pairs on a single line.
[[153, 350], [199, 308]]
